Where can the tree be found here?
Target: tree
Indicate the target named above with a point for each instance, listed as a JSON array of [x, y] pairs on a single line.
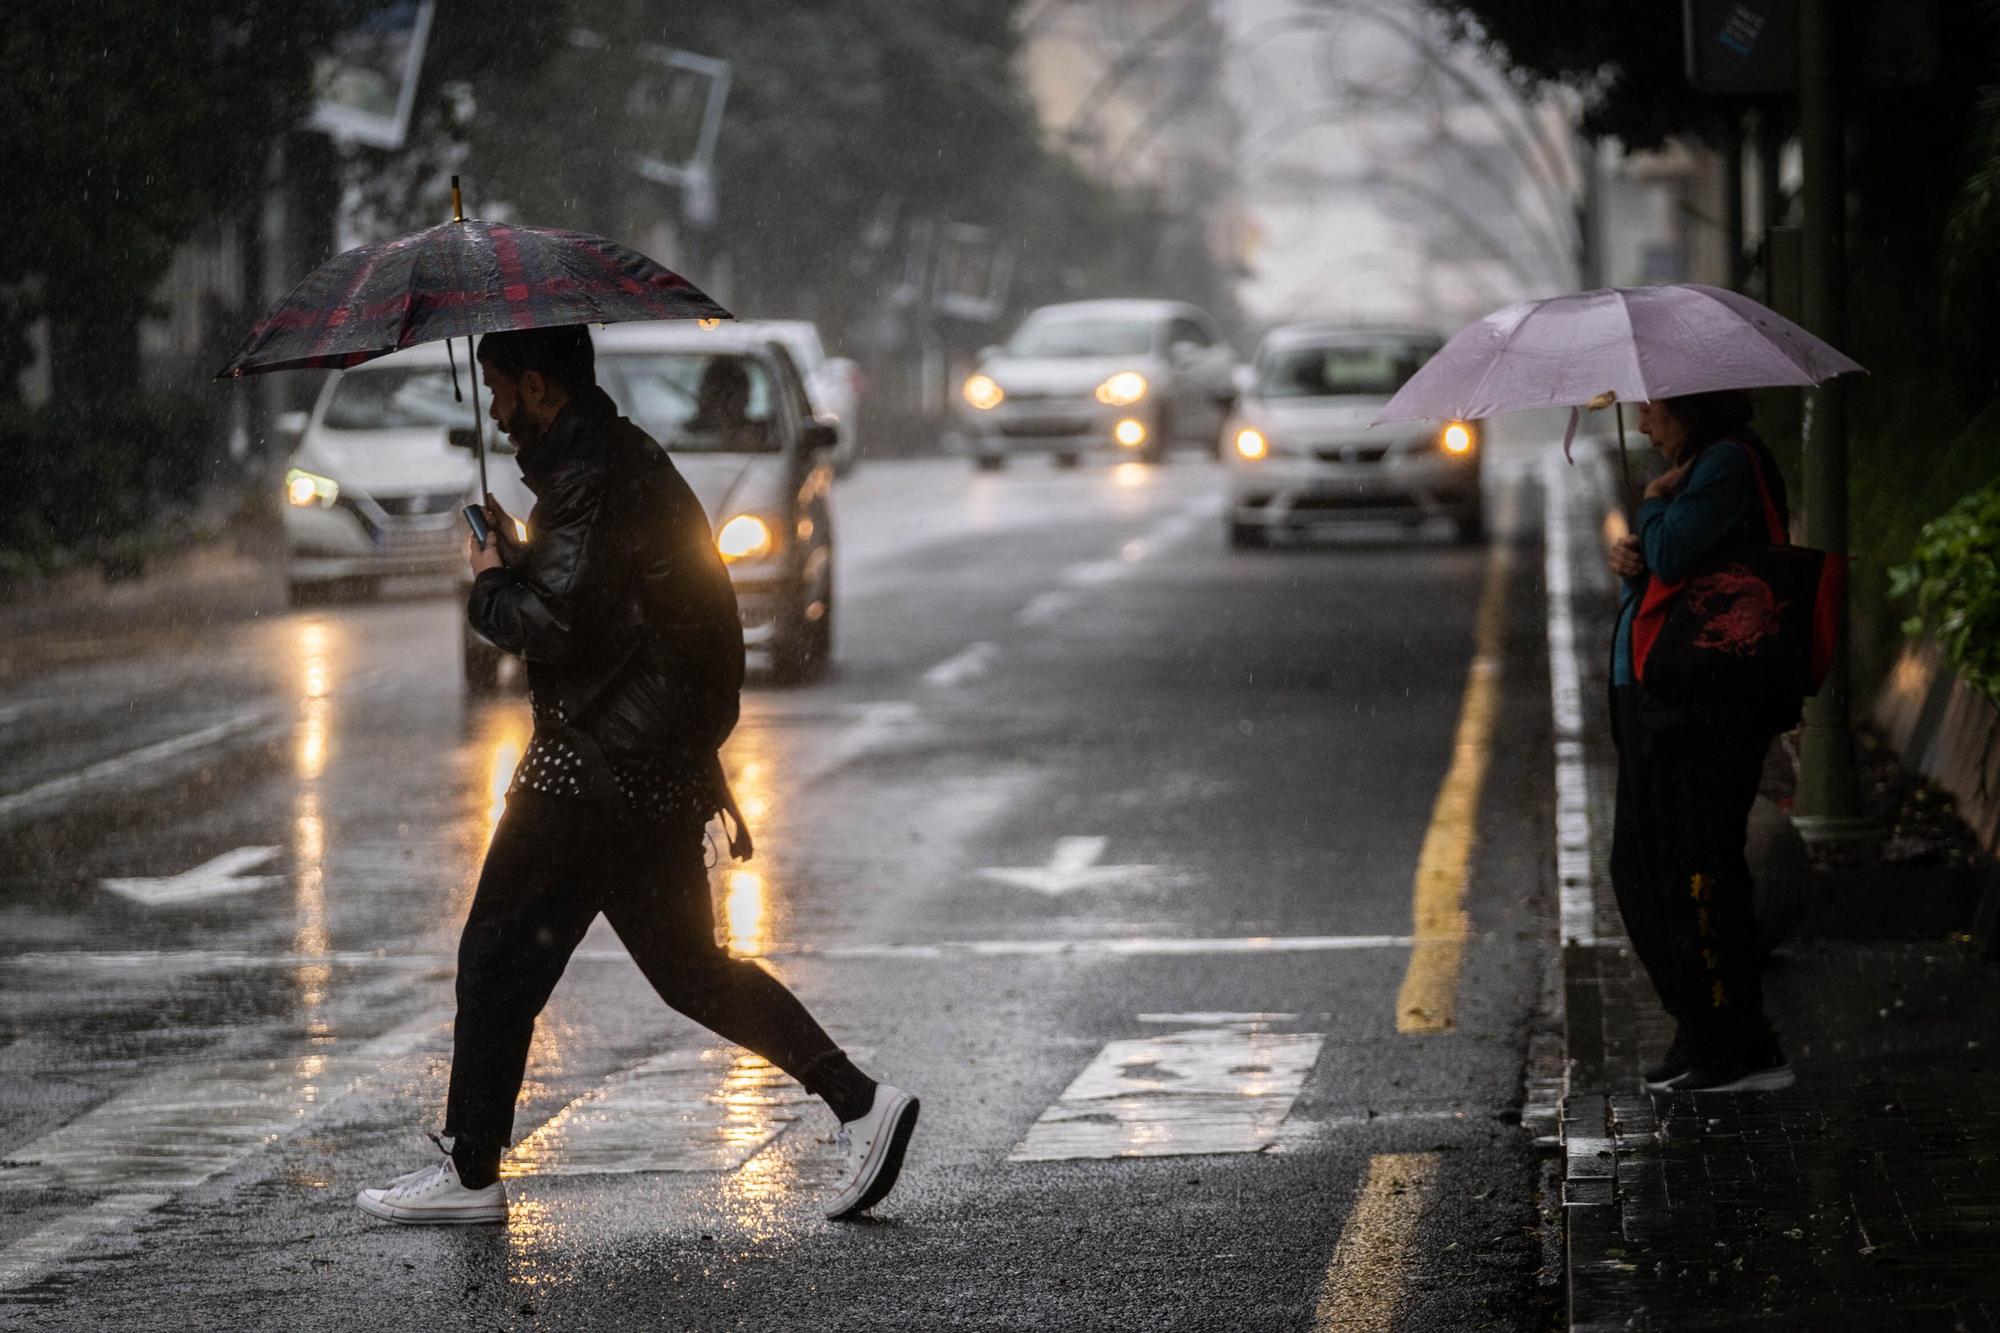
[[130, 125]]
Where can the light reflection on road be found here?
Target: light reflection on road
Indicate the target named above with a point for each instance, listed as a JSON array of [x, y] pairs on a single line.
[[316, 643]]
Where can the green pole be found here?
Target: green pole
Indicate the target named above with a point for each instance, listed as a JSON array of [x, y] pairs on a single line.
[[1828, 804]]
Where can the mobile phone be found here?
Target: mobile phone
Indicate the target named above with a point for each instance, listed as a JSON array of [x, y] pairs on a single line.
[[475, 518]]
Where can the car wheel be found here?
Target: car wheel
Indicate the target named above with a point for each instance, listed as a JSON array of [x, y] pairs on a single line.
[[1248, 536], [988, 462], [481, 662], [802, 648], [1066, 460], [1471, 531]]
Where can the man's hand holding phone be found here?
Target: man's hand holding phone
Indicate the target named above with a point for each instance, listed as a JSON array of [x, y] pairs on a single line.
[[493, 543]]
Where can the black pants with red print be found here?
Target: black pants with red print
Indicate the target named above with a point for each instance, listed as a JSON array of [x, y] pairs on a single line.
[[1683, 885]]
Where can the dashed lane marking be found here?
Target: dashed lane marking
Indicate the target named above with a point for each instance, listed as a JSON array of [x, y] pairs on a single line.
[[973, 661], [1364, 1283], [252, 723], [1428, 998]]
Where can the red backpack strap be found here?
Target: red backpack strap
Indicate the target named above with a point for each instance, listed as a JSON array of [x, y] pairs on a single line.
[[1773, 520]]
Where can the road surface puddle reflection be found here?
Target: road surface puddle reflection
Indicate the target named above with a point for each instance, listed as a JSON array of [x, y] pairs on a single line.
[[704, 1110], [1221, 1089]]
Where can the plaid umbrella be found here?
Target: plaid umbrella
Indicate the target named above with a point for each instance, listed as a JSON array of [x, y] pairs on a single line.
[[457, 280], [463, 278]]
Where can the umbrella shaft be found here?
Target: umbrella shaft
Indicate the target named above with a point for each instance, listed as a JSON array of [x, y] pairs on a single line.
[[478, 418]]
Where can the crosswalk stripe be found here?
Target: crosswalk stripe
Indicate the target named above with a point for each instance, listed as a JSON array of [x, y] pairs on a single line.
[[690, 1111], [178, 1130], [1220, 1089]]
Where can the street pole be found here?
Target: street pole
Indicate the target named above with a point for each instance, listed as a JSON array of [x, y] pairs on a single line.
[[1828, 803]]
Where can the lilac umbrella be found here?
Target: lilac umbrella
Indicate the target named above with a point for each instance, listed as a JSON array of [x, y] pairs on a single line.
[[1612, 346]]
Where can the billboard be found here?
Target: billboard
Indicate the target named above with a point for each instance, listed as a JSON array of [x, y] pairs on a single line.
[[366, 84]]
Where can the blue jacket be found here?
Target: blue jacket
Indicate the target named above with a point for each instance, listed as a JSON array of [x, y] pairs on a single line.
[[1717, 507]]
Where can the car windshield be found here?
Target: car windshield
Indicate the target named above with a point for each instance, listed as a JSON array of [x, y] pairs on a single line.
[[1077, 335], [698, 402], [404, 398], [1374, 369], [804, 345]]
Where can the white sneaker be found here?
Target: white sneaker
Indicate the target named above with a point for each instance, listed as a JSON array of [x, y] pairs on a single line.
[[433, 1195], [874, 1145]]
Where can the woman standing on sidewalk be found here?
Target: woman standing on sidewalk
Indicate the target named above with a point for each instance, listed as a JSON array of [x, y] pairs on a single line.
[[1687, 774]]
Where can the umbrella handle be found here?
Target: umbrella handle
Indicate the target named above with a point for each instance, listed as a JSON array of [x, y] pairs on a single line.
[[478, 418]]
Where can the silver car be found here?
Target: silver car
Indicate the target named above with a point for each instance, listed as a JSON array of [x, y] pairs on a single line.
[[1133, 378], [374, 487], [765, 481], [1302, 451], [833, 383]]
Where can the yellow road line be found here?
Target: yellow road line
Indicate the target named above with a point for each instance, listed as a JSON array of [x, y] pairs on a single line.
[[1364, 1281], [1428, 1000]]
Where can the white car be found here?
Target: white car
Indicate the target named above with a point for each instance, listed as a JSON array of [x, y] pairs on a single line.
[[765, 481], [1302, 451], [374, 486], [1130, 377], [833, 383]]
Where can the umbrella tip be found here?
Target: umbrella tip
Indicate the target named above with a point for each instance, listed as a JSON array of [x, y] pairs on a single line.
[[457, 204]]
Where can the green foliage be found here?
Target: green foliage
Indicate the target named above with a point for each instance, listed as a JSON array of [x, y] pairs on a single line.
[[1625, 59], [129, 125], [1954, 579], [99, 482]]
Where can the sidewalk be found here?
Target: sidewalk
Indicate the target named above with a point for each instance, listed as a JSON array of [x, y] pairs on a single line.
[[1866, 1196]]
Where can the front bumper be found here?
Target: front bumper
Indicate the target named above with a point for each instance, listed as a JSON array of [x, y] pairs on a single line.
[[342, 542], [1053, 426], [1284, 490]]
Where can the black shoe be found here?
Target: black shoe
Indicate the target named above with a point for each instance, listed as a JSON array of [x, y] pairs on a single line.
[[1679, 1062], [1767, 1073]]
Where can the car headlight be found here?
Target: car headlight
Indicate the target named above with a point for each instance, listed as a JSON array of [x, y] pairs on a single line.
[[1458, 437], [1251, 444], [983, 392], [744, 537], [1123, 389], [305, 488]]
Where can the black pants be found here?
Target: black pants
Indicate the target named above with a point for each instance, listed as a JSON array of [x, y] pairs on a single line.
[[1682, 882], [555, 863]]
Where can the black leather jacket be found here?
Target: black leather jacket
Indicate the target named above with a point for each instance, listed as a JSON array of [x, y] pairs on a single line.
[[620, 603]]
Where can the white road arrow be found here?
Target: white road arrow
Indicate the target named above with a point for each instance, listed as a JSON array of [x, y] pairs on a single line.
[[1072, 867], [212, 879]]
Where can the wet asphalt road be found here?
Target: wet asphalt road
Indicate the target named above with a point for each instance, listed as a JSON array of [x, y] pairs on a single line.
[[1082, 776]]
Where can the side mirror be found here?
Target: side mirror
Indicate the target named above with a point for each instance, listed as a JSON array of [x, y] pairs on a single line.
[[1243, 378], [820, 436], [290, 425], [990, 353], [1183, 352]]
